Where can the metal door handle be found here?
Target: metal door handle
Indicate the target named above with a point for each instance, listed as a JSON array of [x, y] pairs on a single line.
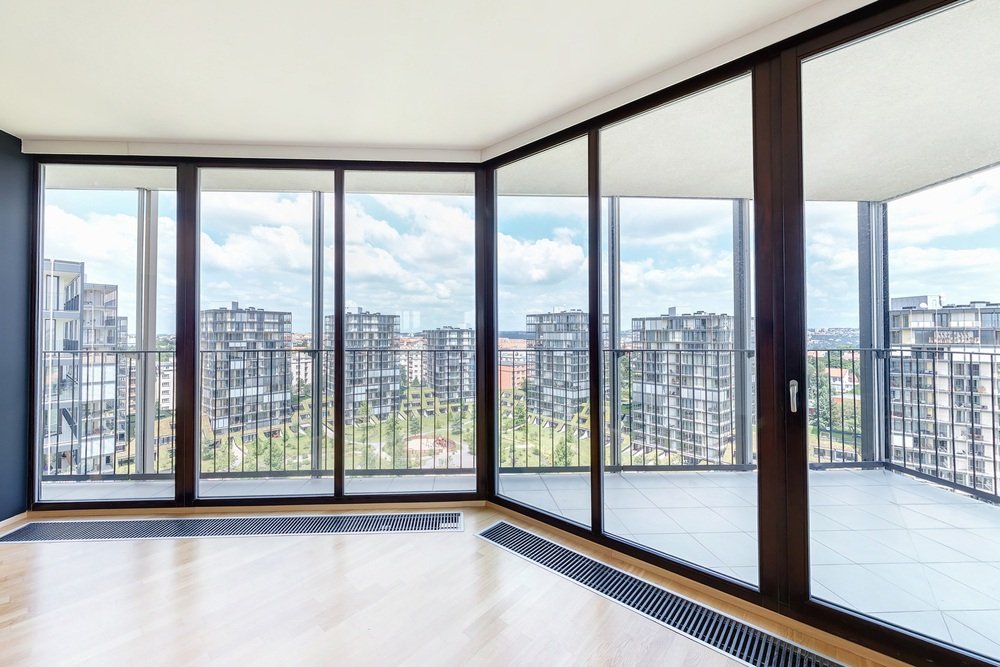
[[793, 394]]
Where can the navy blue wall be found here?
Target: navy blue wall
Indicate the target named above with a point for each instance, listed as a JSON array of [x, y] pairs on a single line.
[[15, 256]]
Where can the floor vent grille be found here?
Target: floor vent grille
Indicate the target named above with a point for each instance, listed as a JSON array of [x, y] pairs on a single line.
[[719, 631], [149, 529]]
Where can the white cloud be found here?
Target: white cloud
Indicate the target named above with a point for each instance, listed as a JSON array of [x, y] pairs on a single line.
[[959, 275], [649, 288], [964, 207], [539, 262], [831, 264], [224, 213], [544, 207], [422, 263], [259, 249], [946, 240]]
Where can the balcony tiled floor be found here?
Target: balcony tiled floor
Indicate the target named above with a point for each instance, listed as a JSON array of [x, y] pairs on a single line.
[[889, 545], [904, 550]]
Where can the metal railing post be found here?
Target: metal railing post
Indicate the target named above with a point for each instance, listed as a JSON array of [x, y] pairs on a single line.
[[873, 301], [743, 342]]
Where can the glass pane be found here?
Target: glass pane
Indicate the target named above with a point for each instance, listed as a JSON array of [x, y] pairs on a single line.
[[904, 315], [259, 347], [833, 342], [106, 328], [680, 458], [409, 405], [544, 370]]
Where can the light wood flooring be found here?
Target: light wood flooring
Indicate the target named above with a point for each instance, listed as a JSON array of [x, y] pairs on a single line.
[[393, 599]]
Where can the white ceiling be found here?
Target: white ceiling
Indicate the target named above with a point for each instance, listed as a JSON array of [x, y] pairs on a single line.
[[444, 79], [910, 107], [897, 112]]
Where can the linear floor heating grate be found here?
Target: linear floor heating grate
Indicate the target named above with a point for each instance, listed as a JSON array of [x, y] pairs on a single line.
[[719, 631], [146, 529]]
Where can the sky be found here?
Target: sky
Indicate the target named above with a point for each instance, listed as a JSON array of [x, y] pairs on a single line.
[[414, 255]]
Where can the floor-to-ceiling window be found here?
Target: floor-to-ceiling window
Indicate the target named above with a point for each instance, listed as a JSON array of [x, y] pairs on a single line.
[[264, 426], [105, 332], [409, 336], [680, 451], [903, 240], [543, 379]]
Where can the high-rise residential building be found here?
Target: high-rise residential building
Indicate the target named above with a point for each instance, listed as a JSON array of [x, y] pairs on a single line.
[[165, 371], [102, 329], [88, 386], [372, 370], [450, 364], [246, 370], [559, 383], [682, 386], [412, 359], [944, 364]]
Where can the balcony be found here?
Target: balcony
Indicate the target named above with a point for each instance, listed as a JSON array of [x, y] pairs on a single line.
[[904, 550]]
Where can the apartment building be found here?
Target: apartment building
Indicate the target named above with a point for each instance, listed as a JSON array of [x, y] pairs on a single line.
[[944, 364], [559, 382], [372, 370], [246, 369], [682, 386], [88, 388], [412, 359], [449, 363], [165, 372]]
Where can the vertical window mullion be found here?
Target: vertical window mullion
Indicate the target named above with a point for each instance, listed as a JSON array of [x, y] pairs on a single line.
[[595, 326], [316, 342], [339, 400], [187, 390]]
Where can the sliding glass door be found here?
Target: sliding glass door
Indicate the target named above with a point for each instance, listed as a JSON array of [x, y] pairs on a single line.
[[680, 448], [903, 386]]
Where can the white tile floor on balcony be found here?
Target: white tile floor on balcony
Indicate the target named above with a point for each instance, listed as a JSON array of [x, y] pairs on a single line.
[[901, 549], [904, 550]]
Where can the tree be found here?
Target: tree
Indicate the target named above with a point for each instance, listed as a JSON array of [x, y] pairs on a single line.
[[413, 424], [625, 379], [563, 451], [520, 413], [364, 414], [832, 412], [396, 431]]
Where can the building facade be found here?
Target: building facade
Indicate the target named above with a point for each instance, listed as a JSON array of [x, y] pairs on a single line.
[[246, 370], [372, 370], [558, 386], [89, 387], [450, 364], [412, 359], [682, 387], [944, 366]]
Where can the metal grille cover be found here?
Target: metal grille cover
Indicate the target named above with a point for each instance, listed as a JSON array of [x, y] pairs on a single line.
[[710, 627], [145, 529]]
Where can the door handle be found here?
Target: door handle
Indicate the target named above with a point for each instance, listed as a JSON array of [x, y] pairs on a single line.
[[793, 394]]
